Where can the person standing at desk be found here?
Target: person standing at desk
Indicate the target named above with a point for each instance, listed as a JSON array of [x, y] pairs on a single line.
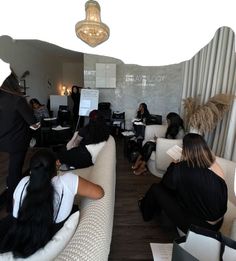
[[16, 117]]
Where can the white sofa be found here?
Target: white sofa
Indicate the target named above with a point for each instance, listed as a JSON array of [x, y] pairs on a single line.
[[92, 238], [159, 160], [229, 225]]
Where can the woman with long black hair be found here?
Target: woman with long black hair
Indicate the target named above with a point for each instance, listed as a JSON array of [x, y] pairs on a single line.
[[175, 130], [42, 203], [80, 155]]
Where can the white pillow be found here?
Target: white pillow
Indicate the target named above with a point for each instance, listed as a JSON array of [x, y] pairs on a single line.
[[54, 246], [94, 149]]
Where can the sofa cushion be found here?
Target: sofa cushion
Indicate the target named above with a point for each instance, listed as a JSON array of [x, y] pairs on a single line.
[[229, 174], [152, 131], [163, 160], [54, 246], [94, 149]]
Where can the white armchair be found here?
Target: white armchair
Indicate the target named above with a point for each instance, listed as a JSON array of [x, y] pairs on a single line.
[[159, 160]]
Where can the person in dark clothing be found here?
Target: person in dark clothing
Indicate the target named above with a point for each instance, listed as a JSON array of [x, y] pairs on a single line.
[[175, 130], [94, 132], [143, 112], [75, 95], [192, 191], [142, 116], [15, 133]]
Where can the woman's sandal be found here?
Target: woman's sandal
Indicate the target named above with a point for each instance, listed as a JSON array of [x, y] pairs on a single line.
[[136, 165]]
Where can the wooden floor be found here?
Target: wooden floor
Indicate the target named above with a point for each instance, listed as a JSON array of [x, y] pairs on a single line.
[[131, 235]]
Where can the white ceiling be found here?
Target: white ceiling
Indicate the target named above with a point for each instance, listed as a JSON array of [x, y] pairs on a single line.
[[150, 32]]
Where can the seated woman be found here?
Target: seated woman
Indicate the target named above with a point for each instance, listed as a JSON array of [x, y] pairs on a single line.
[[94, 132], [175, 130], [142, 115], [192, 191], [143, 112], [42, 203], [40, 110]]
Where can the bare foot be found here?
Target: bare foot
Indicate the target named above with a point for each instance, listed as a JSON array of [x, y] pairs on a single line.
[[140, 171]]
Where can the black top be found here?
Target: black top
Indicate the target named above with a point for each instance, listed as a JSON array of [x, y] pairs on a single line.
[[143, 116], [95, 136], [199, 190], [85, 135], [76, 99], [15, 118]]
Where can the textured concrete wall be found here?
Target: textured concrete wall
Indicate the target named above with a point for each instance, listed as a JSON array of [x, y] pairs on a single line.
[[160, 87]]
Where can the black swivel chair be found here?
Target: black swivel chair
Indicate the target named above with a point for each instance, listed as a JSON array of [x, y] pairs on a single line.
[[63, 115], [118, 121], [154, 120], [104, 108]]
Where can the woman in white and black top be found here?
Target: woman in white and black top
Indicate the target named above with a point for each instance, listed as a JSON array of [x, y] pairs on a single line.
[[175, 130], [42, 203]]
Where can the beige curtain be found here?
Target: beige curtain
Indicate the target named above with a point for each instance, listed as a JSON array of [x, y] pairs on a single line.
[[209, 72]]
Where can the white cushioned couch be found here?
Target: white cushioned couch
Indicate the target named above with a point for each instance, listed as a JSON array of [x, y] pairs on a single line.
[[229, 225], [92, 237]]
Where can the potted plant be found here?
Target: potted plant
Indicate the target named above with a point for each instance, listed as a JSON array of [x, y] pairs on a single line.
[[203, 118]]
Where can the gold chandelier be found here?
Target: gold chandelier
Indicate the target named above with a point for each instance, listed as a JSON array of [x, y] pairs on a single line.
[[91, 30]]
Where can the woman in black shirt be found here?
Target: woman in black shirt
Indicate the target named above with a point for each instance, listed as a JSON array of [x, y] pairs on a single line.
[[94, 132], [75, 95], [192, 191], [143, 112]]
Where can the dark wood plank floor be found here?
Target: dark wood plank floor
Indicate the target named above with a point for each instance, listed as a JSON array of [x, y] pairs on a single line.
[[131, 235]]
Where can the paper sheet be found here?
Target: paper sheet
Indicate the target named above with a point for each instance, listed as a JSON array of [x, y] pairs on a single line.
[[175, 152], [50, 119], [127, 133], [161, 252], [59, 127]]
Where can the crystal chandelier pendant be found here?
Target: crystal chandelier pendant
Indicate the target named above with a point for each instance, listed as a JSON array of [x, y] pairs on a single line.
[[91, 30]]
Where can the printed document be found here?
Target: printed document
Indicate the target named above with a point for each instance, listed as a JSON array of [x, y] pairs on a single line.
[[175, 152]]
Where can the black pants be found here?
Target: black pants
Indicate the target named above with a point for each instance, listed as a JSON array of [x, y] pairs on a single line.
[[147, 150], [78, 157], [159, 198], [139, 130], [16, 162]]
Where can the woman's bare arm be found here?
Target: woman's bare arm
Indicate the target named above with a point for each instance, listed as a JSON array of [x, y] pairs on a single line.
[[215, 167], [89, 189]]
